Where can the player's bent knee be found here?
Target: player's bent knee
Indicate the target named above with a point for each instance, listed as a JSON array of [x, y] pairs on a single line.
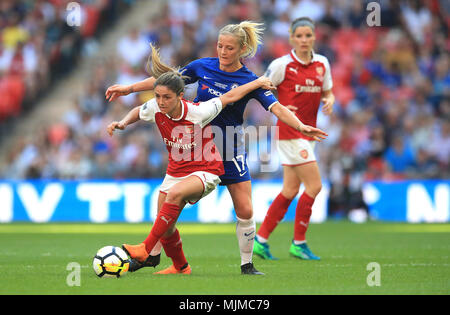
[[174, 196], [244, 213], [289, 193], [313, 190]]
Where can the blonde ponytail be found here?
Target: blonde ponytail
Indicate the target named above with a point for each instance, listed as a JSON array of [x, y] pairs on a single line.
[[248, 33], [165, 75], [155, 65]]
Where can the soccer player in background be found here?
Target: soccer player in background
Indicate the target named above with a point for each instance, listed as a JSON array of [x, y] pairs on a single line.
[[194, 162], [216, 76], [303, 80]]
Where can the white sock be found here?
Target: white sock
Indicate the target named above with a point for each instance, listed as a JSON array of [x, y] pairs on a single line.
[[245, 232], [260, 239], [156, 249]]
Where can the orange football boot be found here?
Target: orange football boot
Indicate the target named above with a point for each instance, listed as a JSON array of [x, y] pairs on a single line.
[[172, 270], [137, 252]]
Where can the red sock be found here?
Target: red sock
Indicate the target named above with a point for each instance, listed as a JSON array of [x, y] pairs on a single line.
[[174, 249], [274, 215], [302, 216], [166, 216]]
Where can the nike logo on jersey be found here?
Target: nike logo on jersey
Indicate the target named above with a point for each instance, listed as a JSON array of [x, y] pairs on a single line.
[[206, 78]]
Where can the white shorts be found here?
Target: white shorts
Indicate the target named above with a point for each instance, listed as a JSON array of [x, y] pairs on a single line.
[[295, 152], [209, 181]]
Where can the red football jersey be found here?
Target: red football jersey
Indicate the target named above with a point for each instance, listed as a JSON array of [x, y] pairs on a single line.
[[190, 145], [300, 85]]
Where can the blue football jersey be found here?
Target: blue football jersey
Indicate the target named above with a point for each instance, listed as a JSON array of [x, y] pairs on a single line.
[[213, 82]]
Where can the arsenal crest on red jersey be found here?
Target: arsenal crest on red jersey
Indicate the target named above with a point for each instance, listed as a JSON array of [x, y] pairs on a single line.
[[189, 129], [320, 71]]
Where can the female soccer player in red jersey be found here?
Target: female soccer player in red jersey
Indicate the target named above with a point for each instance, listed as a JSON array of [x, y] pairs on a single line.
[[303, 80], [216, 76], [194, 161]]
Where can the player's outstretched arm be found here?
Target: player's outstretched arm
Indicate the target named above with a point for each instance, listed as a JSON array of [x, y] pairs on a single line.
[[289, 118], [237, 93], [131, 117], [117, 90]]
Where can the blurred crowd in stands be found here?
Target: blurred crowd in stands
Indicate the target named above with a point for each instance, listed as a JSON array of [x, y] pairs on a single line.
[[37, 45], [392, 85]]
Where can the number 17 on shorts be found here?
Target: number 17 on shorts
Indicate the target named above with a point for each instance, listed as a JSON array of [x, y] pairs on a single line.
[[241, 165]]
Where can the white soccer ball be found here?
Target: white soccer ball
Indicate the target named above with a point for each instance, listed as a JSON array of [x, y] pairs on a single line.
[[110, 262], [358, 216]]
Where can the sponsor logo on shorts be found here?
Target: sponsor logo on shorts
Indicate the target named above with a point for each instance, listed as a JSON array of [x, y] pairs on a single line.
[[304, 154]]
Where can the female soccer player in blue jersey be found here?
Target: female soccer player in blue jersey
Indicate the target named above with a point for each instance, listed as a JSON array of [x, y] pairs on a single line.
[[216, 76]]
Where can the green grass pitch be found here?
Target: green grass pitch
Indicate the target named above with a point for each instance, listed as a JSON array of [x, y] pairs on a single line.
[[413, 259]]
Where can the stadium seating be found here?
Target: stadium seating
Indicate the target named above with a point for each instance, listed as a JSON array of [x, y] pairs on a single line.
[[377, 71]]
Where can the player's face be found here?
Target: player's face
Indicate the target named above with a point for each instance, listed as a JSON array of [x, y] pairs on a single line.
[[303, 39], [228, 50], [168, 101]]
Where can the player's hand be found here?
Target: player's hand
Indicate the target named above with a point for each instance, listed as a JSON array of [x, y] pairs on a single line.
[[116, 90], [265, 83], [328, 103], [115, 125], [315, 133]]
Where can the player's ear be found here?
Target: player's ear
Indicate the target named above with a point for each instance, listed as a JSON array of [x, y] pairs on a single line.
[[243, 49], [291, 39], [181, 95]]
